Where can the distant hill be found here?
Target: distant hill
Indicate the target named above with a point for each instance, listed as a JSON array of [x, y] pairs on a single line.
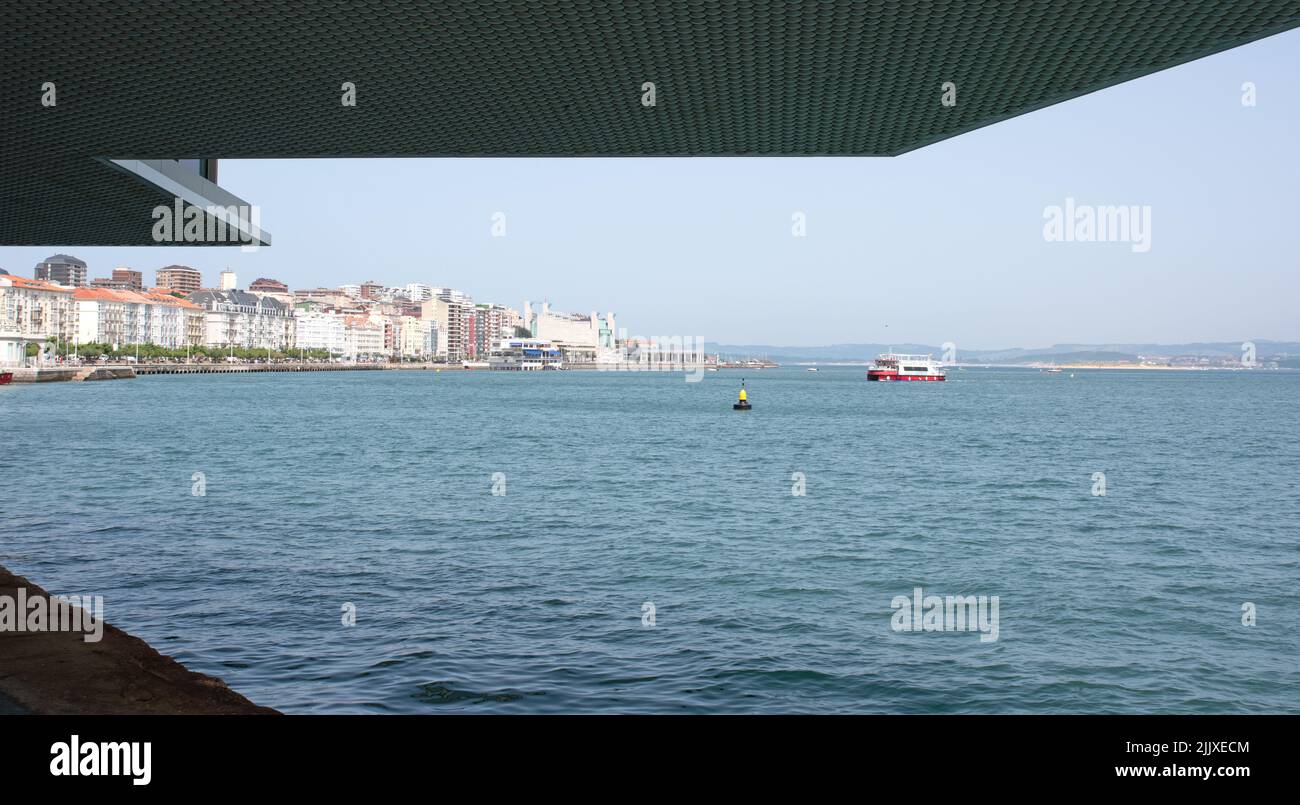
[[1206, 349], [1265, 349], [1085, 356], [832, 352]]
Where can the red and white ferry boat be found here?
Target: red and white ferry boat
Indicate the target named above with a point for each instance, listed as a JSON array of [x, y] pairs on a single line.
[[891, 366]]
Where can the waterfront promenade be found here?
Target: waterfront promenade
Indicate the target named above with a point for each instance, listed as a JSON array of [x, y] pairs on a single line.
[[125, 371], [244, 368]]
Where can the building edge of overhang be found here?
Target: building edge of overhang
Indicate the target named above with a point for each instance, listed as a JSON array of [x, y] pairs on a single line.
[[1111, 82], [174, 180]]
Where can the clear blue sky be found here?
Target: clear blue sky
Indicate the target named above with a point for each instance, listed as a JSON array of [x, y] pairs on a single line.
[[942, 244]]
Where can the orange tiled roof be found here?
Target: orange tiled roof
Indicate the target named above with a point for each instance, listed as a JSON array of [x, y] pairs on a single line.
[[110, 295], [132, 297], [35, 285], [161, 298], [102, 294]]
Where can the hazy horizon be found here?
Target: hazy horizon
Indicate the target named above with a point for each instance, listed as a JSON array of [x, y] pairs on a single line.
[[1007, 348], [942, 244]]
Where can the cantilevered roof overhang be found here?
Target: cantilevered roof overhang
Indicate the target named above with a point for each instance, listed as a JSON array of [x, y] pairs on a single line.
[[140, 82]]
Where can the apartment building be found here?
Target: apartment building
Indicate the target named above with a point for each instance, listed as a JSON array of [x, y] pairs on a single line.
[[176, 322], [492, 324], [417, 338], [316, 329], [452, 313], [132, 279], [329, 297], [123, 279], [64, 269], [102, 316], [363, 338], [268, 285], [241, 319], [419, 292], [181, 279], [119, 318], [32, 311]]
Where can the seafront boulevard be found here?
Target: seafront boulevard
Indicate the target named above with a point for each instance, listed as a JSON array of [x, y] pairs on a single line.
[[45, 374]]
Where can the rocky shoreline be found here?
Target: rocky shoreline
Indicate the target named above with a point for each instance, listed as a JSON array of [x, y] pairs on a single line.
[[58, 673]]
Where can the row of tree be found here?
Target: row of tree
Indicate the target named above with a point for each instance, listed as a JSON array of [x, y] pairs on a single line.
[[153, 352], [92, 351]]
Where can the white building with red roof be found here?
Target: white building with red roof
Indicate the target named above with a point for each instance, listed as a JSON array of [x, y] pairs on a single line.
[[32, 311]]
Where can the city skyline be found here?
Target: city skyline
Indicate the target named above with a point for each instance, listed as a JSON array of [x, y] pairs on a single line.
[[263, 286], [942, 244]]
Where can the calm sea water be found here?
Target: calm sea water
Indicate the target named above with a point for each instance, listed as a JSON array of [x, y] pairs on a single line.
[[375, 488]]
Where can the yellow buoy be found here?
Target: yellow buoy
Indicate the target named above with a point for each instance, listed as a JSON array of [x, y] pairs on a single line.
[[743, 403]]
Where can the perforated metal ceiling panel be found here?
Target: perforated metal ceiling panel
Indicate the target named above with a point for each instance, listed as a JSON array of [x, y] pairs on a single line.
[[153, 79]]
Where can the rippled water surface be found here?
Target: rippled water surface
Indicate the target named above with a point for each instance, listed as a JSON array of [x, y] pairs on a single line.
[[375, 488]]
